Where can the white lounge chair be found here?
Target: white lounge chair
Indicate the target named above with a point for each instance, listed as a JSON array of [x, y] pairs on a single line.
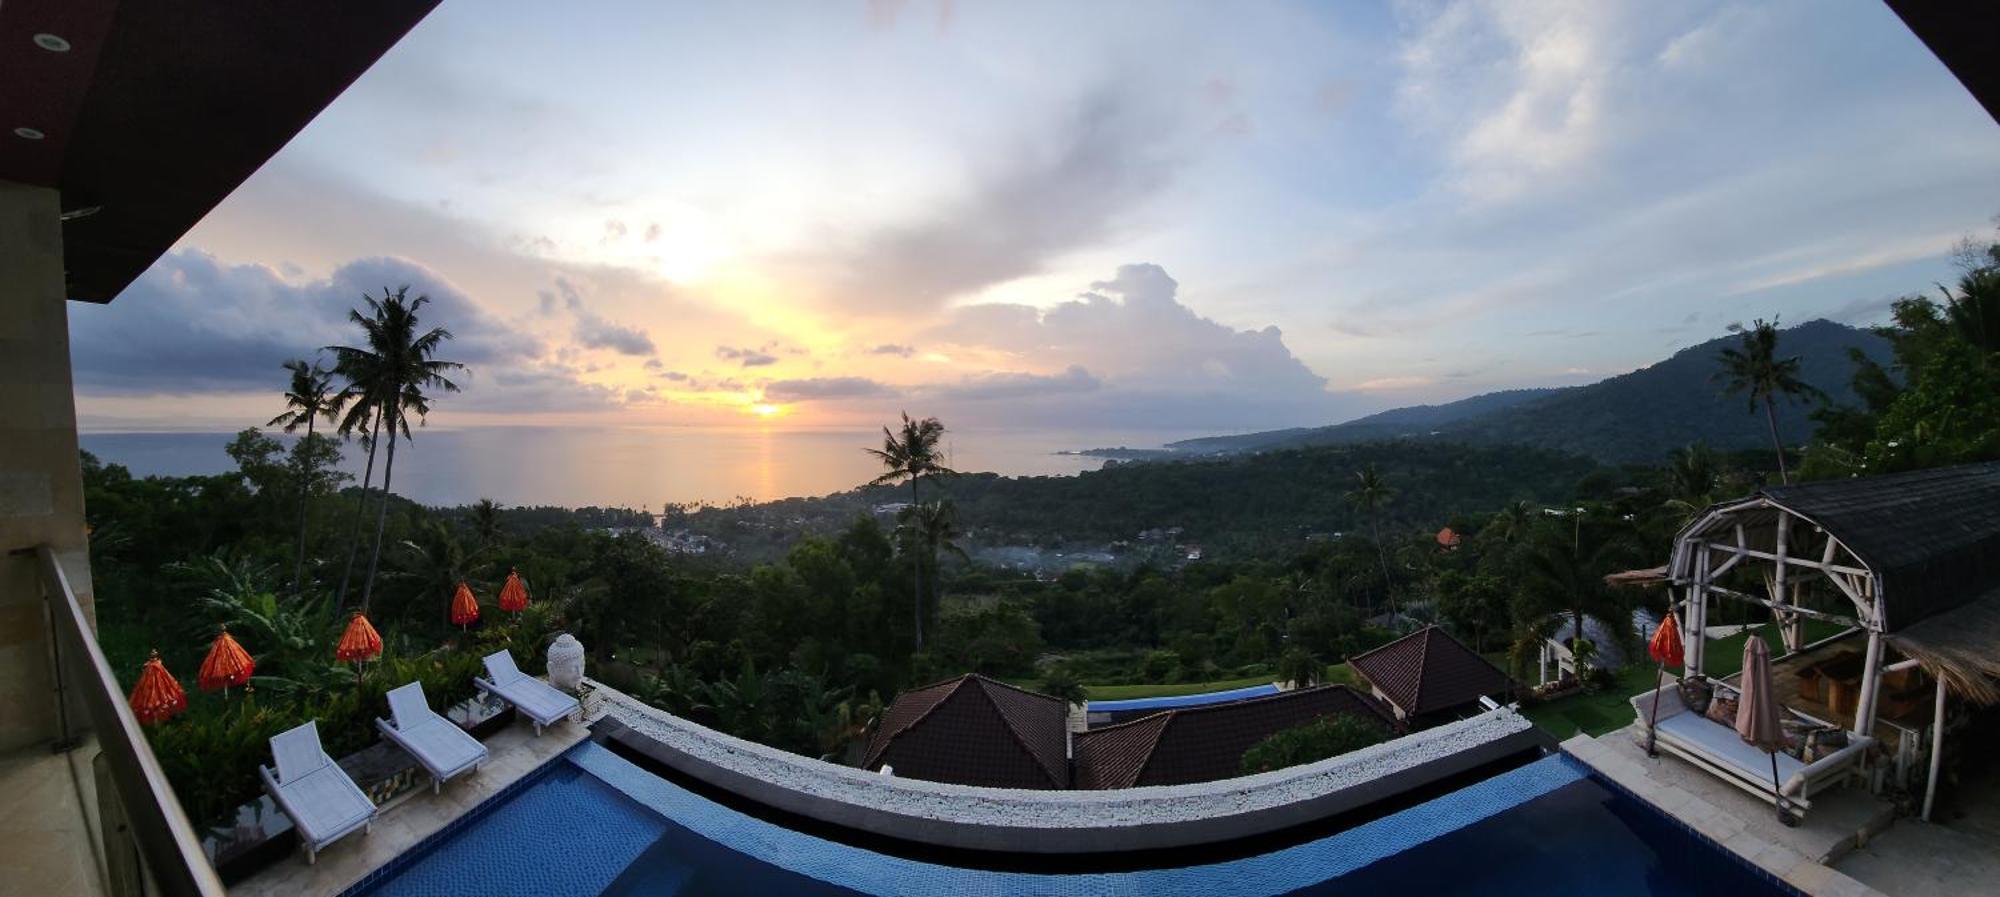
[[1719, 750], [313, 791], [444, 749], [542, 703]]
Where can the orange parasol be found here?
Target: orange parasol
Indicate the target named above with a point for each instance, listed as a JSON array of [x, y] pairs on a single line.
[[464, 608], [227, 665], [514, 595], [360, 642], [158, 696], [1666, 647]]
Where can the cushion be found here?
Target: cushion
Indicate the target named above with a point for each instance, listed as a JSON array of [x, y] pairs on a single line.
[[1723, 710]]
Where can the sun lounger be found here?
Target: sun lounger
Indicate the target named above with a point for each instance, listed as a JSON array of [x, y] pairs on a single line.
[[440, 745], [1719, 750], [541, 703], [313, 791]]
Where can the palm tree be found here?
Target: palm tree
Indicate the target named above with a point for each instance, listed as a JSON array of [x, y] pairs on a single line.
[[486, 522], [392, 371], [912, 455], [926, 530], [1754, 369], [359, 421], [1061, 682], [309, 398], [1693, 475], [1564, 578], [1369, 494]]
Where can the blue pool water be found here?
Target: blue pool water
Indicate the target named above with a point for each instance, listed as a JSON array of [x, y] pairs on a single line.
[[592, 823]]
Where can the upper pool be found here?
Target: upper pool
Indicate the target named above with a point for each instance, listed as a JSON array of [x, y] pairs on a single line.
[[593, 823]]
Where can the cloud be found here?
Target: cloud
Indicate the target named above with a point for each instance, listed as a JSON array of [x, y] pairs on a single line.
[[749, 358], [594, 331], [1129, 352], [893, 349], [1029, 205], [192, 324], [817, 388], [1019, 385]]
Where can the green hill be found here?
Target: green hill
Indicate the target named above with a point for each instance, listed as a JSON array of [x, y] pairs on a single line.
[[1635, 417]]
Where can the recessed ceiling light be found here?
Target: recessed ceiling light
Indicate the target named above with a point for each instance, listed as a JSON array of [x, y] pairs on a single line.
[[52, 43], [28, 133]]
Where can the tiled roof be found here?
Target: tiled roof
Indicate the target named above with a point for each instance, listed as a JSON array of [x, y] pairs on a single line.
[[1428, 670], [1933, 536], [1203, 744], [974, 731]]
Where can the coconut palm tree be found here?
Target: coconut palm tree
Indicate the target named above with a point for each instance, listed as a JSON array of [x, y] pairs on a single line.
[[1754, 369], [910, 455], [927, 530], [1693, 475], [310, 398], [360, 422], [392, 370], [1369, 494], [1563, 580], [486, 522]]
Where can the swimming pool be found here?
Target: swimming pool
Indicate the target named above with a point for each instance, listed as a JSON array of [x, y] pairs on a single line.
[[593, 823]]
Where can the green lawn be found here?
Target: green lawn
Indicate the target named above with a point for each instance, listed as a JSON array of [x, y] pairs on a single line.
[[1611, 709]]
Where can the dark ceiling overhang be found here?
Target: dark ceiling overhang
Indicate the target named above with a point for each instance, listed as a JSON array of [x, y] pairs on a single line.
[[1965, 36], [156, 111]]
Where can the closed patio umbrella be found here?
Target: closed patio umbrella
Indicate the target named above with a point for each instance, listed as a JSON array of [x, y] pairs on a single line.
[[226, 665], [360, 642], [1667, 649], [514, 595], [464, 607], [158, 695], [1757, 719]]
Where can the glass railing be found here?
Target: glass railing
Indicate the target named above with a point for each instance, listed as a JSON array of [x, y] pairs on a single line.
[[147, 817]]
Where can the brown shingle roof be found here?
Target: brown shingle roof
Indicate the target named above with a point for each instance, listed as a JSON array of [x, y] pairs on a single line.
[[1428, 670], [1203, 744], [974, 731]]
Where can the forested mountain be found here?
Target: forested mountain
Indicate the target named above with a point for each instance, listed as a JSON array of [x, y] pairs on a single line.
[[1635, 417]]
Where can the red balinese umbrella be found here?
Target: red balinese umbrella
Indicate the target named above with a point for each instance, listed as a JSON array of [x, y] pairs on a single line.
[[464, 608], [1667, 648], [360, 642], [226, 666], [158, 696], [514, 595]]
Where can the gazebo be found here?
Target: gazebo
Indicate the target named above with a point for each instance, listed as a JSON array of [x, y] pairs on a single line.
[[1912, 560]]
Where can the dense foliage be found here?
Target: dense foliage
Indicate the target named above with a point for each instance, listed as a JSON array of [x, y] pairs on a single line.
[[1328, 736]]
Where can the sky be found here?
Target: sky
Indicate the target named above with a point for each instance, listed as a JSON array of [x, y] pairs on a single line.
[[1182, 216]]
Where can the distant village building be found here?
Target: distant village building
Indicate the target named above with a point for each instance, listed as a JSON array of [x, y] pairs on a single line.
[[1207, 743], [974, 731], [1428, 677]]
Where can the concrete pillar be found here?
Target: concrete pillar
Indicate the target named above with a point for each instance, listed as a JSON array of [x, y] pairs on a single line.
[[41, 483]]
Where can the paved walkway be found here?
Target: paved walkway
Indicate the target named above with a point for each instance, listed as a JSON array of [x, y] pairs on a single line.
[[405, 822]]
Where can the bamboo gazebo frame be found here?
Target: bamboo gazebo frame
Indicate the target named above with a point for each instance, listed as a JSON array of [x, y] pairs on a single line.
[[1915, 556]]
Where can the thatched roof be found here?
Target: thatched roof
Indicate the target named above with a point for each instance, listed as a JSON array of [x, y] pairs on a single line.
[[1961, 647], [1642, 579], [1932, 537]]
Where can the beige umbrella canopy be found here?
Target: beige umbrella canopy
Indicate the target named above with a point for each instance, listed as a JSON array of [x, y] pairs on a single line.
[[1757, 714]]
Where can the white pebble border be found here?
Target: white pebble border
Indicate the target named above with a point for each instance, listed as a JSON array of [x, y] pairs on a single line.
[[941, 802]]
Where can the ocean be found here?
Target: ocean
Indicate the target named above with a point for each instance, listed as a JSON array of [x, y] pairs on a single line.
[[640, 466]]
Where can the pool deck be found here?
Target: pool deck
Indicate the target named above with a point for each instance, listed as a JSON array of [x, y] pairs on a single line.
[[1849, 845], [408, 820]]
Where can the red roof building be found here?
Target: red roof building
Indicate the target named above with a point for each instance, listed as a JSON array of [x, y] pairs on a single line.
[[1428, 676], [974, 731], [1206, 743]]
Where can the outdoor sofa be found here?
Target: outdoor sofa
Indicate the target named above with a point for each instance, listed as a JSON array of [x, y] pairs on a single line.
[[1717, 748]]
